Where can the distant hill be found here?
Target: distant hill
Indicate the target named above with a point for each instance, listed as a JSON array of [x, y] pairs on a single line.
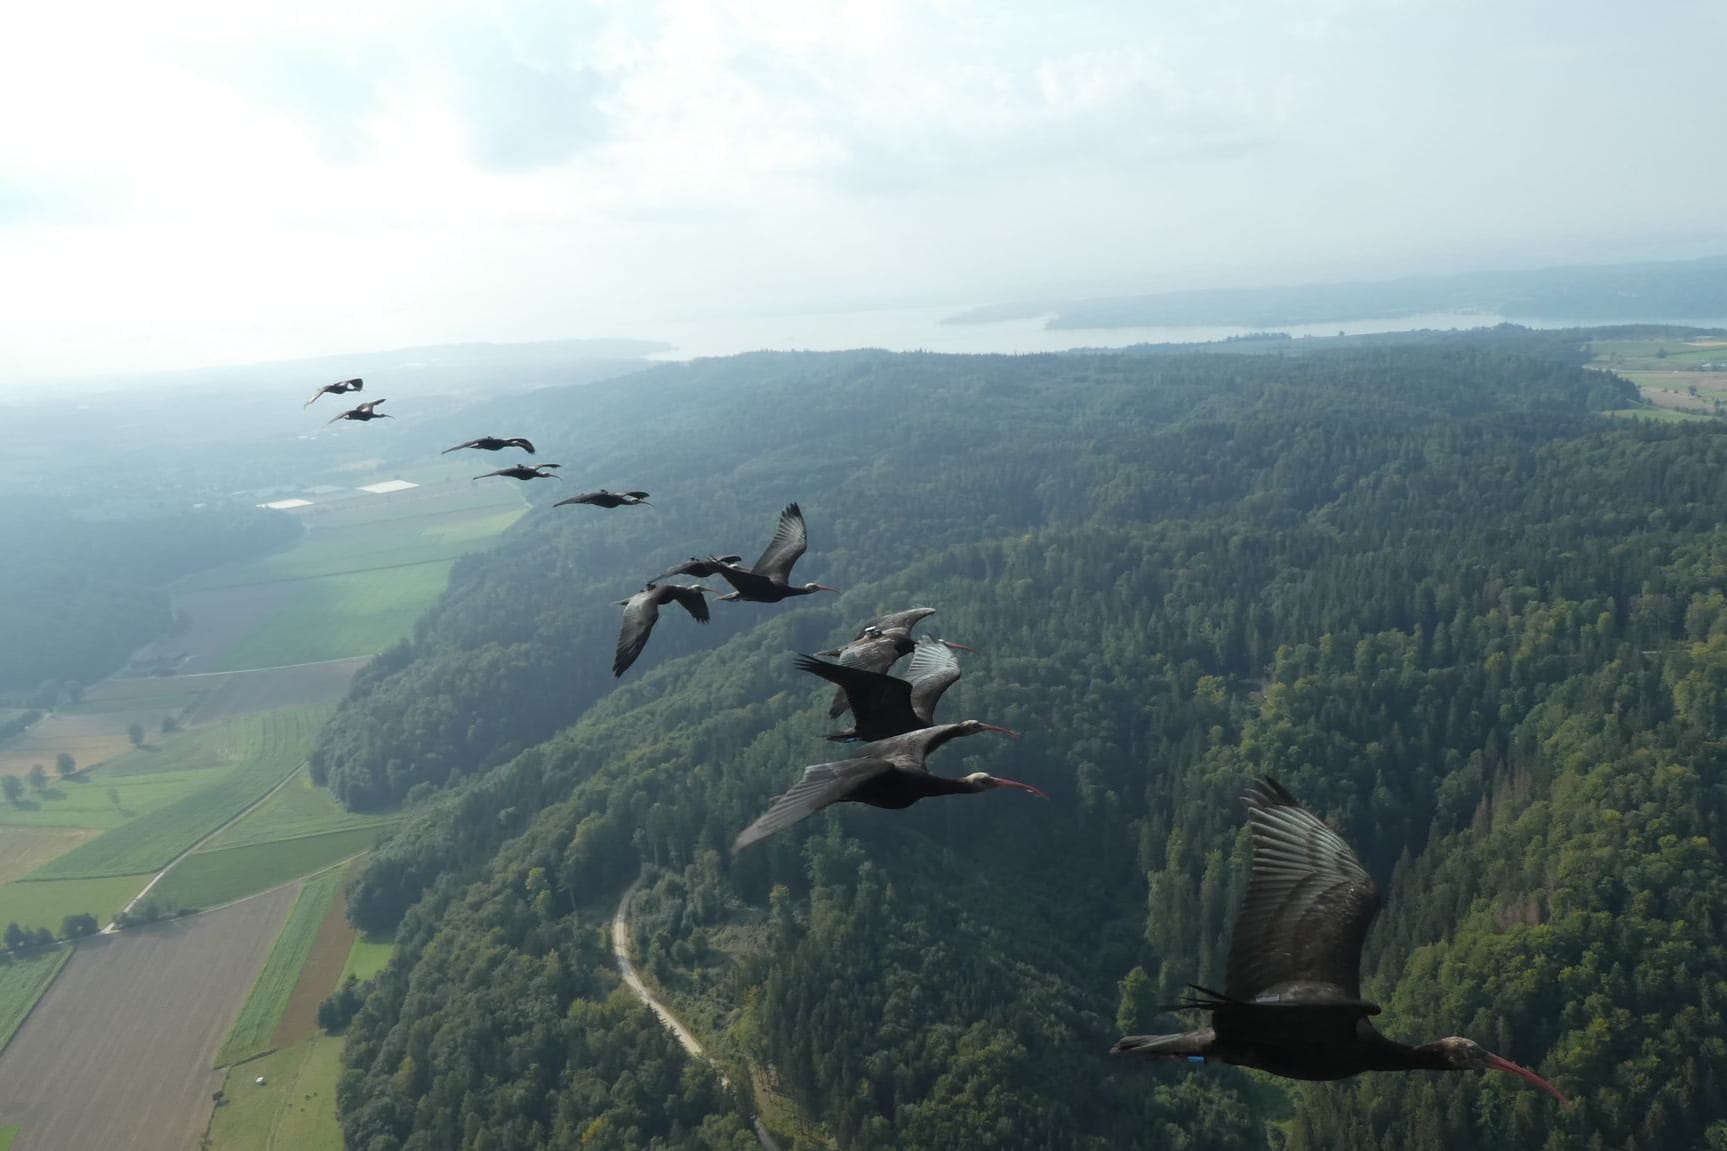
[[1686, 290]]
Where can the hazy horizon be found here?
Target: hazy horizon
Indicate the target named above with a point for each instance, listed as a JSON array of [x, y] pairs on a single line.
[[205, 185]]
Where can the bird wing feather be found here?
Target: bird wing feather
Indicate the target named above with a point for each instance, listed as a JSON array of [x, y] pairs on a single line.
[[907, 619], [693, 599], [639, 615], [1309, 901], [822, 784], [932, 670], [876, 700], [790, 541]]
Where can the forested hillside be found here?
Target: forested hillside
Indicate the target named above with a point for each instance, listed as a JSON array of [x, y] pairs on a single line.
[[1479, 627], [82, 587]]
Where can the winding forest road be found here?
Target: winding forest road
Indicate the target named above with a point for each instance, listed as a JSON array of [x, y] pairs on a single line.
[[627, 969]]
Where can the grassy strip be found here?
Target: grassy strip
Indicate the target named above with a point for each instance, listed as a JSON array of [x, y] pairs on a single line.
[[210, 879], [367, 957], [302, 808], [23, 979], [251, 1033]]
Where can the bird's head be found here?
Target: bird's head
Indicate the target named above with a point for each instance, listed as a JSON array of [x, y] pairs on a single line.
[[1460, 1054], [983, 781], [974, 726], [815, 587]]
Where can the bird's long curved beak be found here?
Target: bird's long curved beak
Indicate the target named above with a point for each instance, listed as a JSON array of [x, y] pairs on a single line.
[[960, 646], [825, 587], [1496, 1063], [1018, 786], [998, 727]]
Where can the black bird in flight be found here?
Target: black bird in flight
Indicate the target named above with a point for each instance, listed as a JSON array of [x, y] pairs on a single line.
[[893, 621], [366, 411], [643, 609], [492, 444], [340, 387], [698, 567], [765, 581], [524, 472], [605, 499], [884, 706], [877, 649], [1291, 1002], [887, 773]]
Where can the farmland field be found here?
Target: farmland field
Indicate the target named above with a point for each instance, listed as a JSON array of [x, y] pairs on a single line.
[[367, 957], [301, 808], [24, 849], [44, 904], [333, 617], [269, 995], [269, 689], [22, 981], [270, 747], [116, 1052], [212, 878], [321, 973], [95, 802], [295, 1109]]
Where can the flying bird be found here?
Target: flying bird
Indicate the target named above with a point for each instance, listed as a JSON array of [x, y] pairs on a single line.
[[698, 567], [524, 472], [893, 621], [876, 650], [340, 387], [765, 581], [884, 706], [366, 411], [605, 499], [1291, 1002], [887, 773], [643, 609], [492, 444]]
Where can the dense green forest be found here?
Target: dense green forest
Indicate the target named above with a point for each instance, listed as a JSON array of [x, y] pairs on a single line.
[[1478, 626], [85, 589]]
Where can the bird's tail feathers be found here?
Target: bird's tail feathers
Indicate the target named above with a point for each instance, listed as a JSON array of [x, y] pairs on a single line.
[[1185, 1045]]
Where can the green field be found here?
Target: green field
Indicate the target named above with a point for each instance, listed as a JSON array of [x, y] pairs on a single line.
[[271, 745], [299, 809], [367, 957], [85, 802], [296, 1107], [333, 617], [22, 982], [7, 1134], [168, 703], [1664, 415], [30, 903], [269, 997], [211, 878]]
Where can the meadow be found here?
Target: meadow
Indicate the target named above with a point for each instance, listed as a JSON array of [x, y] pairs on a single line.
[[295, 1107], [269, 996], [22, 981], [301, 808], [368, 956], [24, 849], [214, 878], [38, 903], [269, 747]]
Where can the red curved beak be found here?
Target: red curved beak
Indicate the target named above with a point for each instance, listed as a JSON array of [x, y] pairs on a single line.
[[1017, 785], [1000, 728], [1496, 1063], [961, 646], [825, 587]]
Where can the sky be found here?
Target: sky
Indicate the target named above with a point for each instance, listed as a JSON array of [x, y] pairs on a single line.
[[193, 182]]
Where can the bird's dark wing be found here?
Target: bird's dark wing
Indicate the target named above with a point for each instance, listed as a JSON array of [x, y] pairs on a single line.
[[1308, 905], [640, 612], [356, 385], [789, 542], [881, 704], [583, 498], [637, 495], [932, 670], [822, 784], [907, 619], [321, 391], [523, 444], [693, 599], [872, 653], [459, 447]]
